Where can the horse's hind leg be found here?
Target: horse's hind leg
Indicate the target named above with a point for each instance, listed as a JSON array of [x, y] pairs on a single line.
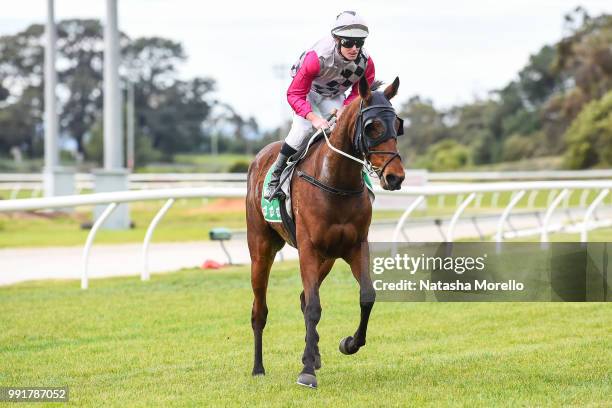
[[262, 248], [359, 261]]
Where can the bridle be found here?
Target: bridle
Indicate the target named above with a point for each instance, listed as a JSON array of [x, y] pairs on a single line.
[[384, 112], [381, 111], [362, 143]]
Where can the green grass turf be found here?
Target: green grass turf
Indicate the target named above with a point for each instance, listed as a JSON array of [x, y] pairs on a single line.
[[200, 163], [187, 220], [598, 235], [185, 339]]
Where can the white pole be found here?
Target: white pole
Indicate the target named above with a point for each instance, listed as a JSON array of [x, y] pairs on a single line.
[[145, 275], [450, 234], [589, 212], [549, 212], [130, 125], [113, 140], [404, 217], [90, 237], [51, 123], [499, 236]]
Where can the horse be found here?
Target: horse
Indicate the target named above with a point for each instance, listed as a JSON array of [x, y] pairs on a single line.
[[332, 214]]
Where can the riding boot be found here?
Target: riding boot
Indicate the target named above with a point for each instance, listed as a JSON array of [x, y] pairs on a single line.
[[279, 165]]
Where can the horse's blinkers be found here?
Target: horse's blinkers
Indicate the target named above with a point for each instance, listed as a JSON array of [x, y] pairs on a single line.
[[385, 113]]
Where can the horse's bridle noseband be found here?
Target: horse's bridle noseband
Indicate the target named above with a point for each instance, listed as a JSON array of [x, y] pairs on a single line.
[[363, 144]]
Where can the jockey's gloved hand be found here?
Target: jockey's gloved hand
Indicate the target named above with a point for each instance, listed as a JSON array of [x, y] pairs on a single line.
[[317, 121]]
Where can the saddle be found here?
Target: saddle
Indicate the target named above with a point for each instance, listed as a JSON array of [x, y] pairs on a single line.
[[279, 209]]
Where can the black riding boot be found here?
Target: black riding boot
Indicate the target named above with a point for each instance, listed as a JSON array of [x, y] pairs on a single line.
[[279, 165]]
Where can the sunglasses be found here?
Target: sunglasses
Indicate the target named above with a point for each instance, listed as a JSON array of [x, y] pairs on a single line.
[[350, 42]]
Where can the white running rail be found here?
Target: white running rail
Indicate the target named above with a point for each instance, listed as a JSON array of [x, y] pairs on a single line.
[[471, 190]]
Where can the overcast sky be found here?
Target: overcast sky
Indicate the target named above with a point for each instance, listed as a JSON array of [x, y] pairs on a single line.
[[446, 50]]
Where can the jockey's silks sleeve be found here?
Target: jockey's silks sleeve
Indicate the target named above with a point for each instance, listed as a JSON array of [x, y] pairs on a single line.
[[300, 86]]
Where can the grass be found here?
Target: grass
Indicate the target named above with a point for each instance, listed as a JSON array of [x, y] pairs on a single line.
[[529, 164], [187, 220], [185, 339], [198, 163], [598, 235]]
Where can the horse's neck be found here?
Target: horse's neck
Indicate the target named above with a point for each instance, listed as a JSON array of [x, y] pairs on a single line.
[[336, 170]]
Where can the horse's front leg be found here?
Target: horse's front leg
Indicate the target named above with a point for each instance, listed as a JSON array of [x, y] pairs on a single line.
[[303, 307], [313, 269], [359, 261]]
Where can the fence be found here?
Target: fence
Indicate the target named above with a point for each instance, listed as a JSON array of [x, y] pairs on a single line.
[[415, 197], [83, 181], [17, 182]]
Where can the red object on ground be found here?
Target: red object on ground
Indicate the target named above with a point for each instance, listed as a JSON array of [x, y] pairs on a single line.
[[210, 264]]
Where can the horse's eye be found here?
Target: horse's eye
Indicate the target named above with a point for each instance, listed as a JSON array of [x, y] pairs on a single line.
[[375, 129]]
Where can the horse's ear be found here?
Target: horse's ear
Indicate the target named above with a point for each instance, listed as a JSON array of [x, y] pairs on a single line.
[[364, 90], [391, 90]]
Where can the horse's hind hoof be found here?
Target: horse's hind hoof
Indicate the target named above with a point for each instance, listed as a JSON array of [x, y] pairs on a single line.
[[345, 346], [317, 362], [307, 380]]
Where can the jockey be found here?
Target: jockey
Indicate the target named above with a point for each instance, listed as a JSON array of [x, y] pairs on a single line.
[[320, 78]]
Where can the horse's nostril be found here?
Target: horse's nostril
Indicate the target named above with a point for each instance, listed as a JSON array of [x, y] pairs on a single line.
[[393, 180]]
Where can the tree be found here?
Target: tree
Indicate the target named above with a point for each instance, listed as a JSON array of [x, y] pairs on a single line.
[[424, 126], [517, 147], [446, 155], [172, 117], [584, 66], [170, 111], [20, 122], [589, 138]]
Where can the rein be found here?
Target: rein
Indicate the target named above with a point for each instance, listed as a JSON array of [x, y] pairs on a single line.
[[330, 189]]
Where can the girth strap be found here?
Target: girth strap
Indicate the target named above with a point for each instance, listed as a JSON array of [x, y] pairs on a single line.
[[330, 189]]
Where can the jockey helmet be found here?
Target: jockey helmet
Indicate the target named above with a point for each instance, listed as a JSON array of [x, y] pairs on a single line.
[[350, 25]]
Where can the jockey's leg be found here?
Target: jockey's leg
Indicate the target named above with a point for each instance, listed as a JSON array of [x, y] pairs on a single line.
[[301, 130], [279, 165], [294, 140]]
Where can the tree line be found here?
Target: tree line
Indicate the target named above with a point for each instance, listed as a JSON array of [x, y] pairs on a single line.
[[172, 115], [560, 104]]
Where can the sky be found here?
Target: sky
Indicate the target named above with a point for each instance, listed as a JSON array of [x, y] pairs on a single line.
[[449, 51]]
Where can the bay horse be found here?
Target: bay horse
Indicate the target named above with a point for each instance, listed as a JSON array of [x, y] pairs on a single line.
[[332, 214]]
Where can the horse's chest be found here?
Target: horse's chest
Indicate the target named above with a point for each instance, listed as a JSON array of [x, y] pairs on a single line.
[[336, 238]]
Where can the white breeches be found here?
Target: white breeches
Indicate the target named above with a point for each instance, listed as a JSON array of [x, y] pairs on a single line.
[[301, 129]]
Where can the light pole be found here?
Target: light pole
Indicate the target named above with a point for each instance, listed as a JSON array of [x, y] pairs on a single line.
[[56, 180], [114, 176], [130, 111], [113, 140]]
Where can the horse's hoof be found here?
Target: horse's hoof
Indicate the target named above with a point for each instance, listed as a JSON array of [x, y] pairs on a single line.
[[307, 380], [317, 362], [259, 372], [344, 346]]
